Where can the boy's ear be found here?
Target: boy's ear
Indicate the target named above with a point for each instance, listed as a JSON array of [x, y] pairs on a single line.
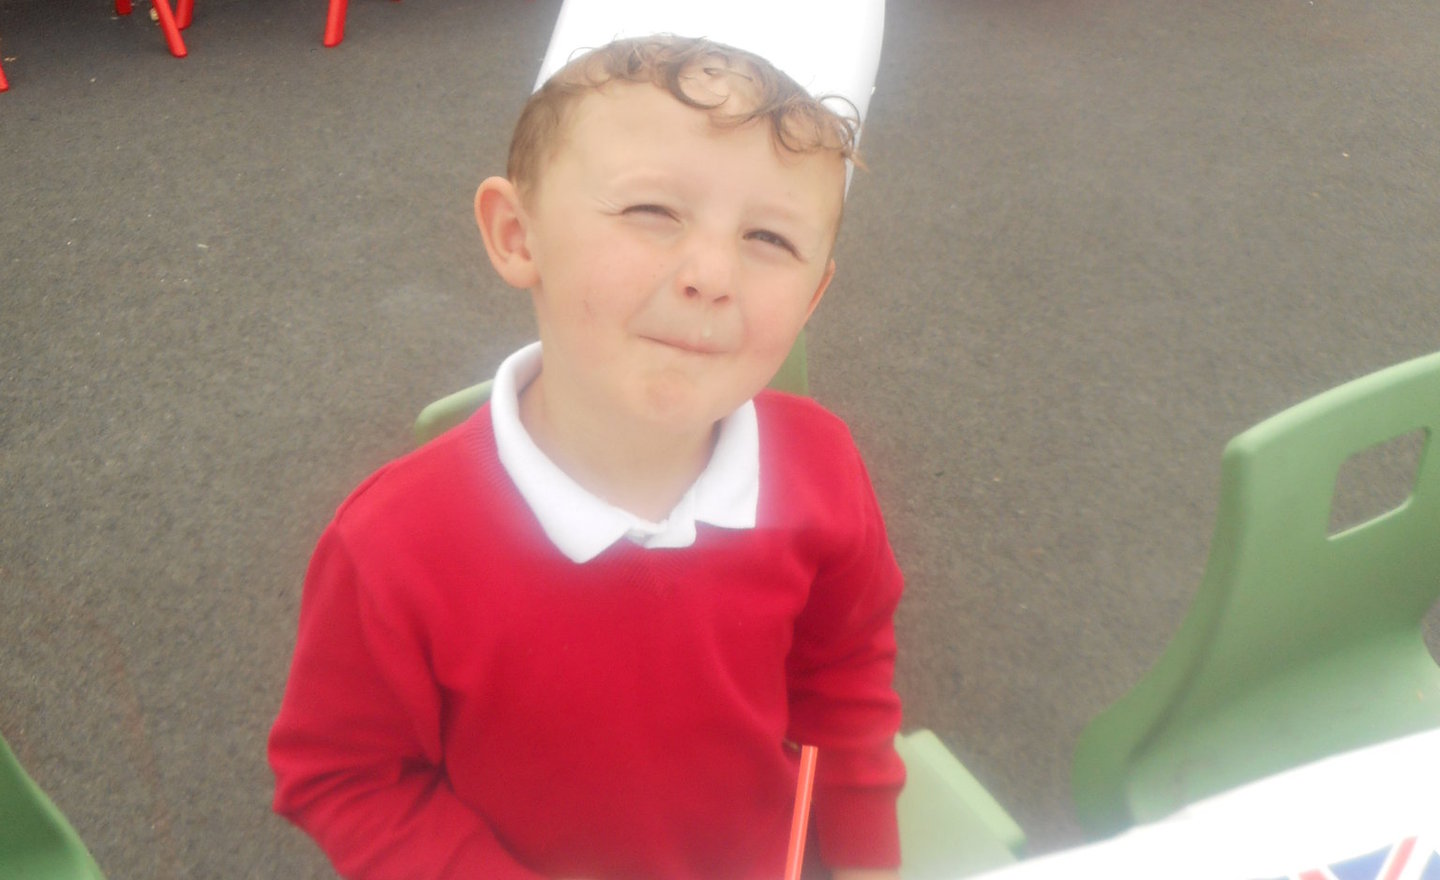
[[820, 291], [502, 224]]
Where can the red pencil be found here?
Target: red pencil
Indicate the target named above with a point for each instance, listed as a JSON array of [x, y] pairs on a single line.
[[801, 818]]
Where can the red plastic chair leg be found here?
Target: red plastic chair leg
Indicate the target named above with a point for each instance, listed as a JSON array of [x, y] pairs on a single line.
[[168, 27], [123, 7], [4, 83], [184, 13], [335, 22]]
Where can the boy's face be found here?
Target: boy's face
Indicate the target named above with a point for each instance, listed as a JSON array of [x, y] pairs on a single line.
[[674, 262]]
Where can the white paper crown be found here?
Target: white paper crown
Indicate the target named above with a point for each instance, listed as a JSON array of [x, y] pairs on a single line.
[[830, 47]]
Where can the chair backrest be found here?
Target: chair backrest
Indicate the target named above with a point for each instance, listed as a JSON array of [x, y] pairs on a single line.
[[449, 411], [950, 826], [1300, 643], [36, 843]]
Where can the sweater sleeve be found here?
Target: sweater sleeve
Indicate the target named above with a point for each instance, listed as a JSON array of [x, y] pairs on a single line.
[[842, 700], [356, 749]]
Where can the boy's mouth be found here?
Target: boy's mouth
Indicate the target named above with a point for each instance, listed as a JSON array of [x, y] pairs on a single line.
[[688, 345], [708, 332]]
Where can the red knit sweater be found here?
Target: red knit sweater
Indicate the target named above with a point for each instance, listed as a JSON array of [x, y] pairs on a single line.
[[465, 702]]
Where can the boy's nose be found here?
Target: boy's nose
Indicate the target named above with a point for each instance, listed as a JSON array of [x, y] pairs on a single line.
[[708, 272]]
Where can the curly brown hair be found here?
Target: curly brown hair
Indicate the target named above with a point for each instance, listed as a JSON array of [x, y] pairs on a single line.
[[799, 122]]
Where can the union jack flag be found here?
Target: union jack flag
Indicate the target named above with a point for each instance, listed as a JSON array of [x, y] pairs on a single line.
[[1410, 859]]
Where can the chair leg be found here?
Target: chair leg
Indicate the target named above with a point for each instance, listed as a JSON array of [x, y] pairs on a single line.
[[184, 13], [168, 27], [335, 22], [4, 83], [123, 7]]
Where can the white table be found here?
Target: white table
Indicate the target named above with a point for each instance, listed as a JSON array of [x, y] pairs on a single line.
[[1371, 814]]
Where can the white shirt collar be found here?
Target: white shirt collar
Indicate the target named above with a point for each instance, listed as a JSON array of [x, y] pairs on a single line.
[[581, 525]]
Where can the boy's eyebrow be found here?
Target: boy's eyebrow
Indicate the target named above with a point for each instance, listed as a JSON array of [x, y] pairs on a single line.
[[785, 213], [642, 177], [793, 216]]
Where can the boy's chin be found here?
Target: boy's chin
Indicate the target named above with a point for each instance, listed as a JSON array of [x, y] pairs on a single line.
[[685, 414]]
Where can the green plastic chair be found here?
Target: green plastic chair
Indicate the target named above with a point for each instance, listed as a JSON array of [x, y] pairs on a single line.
[[36, 843], [449, 411], [950, 826], [1300, 644]]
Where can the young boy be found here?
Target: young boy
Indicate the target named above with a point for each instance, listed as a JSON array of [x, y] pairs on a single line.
[[581, 634]]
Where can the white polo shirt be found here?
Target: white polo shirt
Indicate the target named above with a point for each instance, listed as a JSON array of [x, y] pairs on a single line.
[[581, 525]]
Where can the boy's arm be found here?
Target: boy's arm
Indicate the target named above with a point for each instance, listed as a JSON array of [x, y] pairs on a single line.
[[356, 748], [842, 700]]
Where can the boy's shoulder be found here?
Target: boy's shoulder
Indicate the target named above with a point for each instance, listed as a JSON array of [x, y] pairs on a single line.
[[804, 444], [425, 484], [798, 409], [789, 420], [813, 479]]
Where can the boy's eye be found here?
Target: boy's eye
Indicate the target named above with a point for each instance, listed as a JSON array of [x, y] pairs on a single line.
[[650, 210], [772, 238]]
